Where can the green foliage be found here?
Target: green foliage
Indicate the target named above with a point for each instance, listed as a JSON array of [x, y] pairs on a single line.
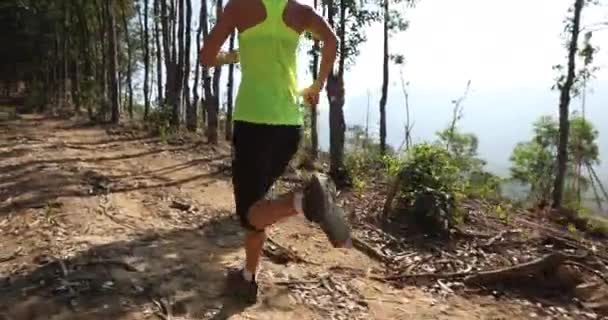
[[428, 167], [430, 183], [533, 165], [533, 162], [462, 148], [159, 121]]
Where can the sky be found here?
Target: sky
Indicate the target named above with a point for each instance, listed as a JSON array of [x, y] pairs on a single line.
[[505, 48]]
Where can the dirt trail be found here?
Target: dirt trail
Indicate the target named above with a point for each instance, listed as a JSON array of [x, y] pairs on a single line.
[[95, 225]]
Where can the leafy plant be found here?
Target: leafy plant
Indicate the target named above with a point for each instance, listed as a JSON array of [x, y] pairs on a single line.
[[159, 121], [429, 186], [534, 164]]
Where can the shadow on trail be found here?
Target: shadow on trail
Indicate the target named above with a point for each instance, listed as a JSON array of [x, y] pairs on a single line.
[[48, 187], [182, 271], [21, 166]]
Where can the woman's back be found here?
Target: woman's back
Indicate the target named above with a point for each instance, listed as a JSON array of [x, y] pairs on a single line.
[[268, 42]]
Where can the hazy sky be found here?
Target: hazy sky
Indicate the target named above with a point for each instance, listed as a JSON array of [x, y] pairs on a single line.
[[507, 50]]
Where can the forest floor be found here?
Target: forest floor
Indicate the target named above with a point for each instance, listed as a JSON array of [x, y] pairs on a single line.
[[102, 222]]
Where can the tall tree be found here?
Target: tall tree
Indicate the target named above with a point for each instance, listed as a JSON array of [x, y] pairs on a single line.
[[385, 77], [212, 100], [113, 67], [314, 68], [178, 65], [159, 52], [192, 120], [186, 66], [392, 21], [352, 21], [205, 74], [125, 25], [564, 102], [230, 93], [146, 48]]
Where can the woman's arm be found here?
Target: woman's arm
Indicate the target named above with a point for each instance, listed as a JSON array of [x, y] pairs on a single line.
[[321, 30], [210, 53]]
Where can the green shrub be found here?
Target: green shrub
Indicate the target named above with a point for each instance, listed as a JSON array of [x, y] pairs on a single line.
[[159, 121], [429, 187]]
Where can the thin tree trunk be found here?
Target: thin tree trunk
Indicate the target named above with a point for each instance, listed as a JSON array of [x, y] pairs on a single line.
[[408, 125], [564, 102], [385, 79], [230, 94], [159, 53], [597, 180], [335, 94], [166, 32], [103, 73], [66, 57], [125, 25], [188, 49], [314, 134], [179, 67], [598, 198], [85, 55], [145, 35], [115, 103], [193, 120], [213, 101], [207, 95]]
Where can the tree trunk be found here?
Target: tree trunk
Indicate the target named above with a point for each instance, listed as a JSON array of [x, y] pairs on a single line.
[[103, 73], [178, 53], [213, 100], [146, 48], [335, 94], [66, 57], [166, 32], [385, 79], [125, 25], [192, 121], [564, 102], [207, 96], [190, 105], [159, 54], [112, 53], [85, 56], [314, 134], [230, 93]]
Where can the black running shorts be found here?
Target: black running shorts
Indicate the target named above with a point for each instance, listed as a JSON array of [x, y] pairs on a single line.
[[260, 155]]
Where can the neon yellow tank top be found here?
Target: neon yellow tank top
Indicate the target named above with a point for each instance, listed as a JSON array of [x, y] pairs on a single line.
[[268, 92]]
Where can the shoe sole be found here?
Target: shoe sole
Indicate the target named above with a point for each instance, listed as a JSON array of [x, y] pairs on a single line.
[[330, 217]]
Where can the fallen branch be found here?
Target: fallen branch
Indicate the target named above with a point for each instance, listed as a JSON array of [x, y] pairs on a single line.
[[541, 265], [499, 236], [165, 311], [118, 263], [369, 250], [430, 276]]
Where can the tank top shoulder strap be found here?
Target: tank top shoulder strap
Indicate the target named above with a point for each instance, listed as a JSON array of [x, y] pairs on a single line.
[[274, 9]]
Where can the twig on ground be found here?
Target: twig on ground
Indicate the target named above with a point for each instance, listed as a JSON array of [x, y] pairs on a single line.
[[115, 262], [499, 236], [537, 266], [369, 250], [404, 276], [164, 309]]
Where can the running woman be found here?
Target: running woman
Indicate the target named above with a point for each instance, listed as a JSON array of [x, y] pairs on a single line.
[[268, 122]]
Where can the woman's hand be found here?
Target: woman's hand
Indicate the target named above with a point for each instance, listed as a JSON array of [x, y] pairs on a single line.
[[229, 57], [311, 94]]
